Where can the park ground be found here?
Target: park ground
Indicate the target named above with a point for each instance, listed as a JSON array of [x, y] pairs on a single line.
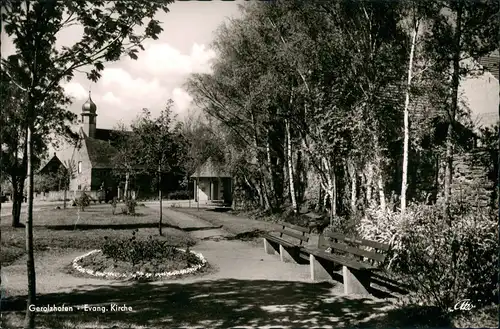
[[241, 287]]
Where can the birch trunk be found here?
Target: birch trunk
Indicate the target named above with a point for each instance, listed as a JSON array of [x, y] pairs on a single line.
[[380, 174], [404, 180], [454, 106], [271, 172], [263, 189], [352, 173], [369, 183], [65, 196], [127, 178], [381, 192], [290, 166], [320, 194], [30, 263], [330, 189], [160, 196], [334, 193]]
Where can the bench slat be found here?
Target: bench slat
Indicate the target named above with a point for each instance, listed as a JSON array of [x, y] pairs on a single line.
[[357, 251], [340, 260], [293, 235], [363, 242], [278, 240], [295, 227]]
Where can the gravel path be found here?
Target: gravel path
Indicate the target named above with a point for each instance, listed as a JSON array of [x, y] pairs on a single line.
[[52, 274]]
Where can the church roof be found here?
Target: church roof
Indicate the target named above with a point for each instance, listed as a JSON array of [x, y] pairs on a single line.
[[101, 149], [109, 134], [100, 153], [209, 169]]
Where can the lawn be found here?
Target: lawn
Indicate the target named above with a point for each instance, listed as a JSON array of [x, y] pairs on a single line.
[[71, 229]]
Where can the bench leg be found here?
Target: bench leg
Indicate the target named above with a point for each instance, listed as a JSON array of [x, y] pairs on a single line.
[[268, 248], [356, 282], [287, 256], [318, 271]]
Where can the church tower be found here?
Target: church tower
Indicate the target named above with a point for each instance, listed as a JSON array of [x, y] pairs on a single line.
[[89, 117]]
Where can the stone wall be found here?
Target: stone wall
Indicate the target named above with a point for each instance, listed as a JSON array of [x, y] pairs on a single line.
[[470, 179]]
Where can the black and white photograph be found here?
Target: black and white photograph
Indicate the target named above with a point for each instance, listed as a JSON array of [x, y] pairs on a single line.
[[249, 164]]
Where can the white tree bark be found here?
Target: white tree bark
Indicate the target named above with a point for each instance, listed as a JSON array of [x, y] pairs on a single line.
[[369, 182], [127, 178], [352, 173], [381, 192], [380, 174], [290, 166], [404, 180], [330, 188]]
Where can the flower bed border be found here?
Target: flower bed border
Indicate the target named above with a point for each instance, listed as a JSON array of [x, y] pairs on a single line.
[[138, 274]]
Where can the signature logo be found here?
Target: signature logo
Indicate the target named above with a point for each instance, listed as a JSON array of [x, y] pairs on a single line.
[[464, 305]]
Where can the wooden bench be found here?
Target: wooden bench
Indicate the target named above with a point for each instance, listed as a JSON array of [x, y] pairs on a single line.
[[356, 262], [289, 251]]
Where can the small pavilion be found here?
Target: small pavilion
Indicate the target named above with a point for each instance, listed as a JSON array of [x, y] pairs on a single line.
[[212, 185]]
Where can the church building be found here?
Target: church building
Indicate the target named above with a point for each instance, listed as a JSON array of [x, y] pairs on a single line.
[[92, 157]]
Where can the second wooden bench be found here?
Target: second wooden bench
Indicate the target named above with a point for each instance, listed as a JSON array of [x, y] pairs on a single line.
[[350, 253], [287, 241]]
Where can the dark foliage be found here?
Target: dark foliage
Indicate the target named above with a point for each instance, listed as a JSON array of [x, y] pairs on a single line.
[[180, 195], [134, 250]]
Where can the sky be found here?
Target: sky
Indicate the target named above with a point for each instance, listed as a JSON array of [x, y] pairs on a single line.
[[127, 86], [161, 70]]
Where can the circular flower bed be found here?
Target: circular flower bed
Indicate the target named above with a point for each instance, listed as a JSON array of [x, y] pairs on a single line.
[[95, 263]]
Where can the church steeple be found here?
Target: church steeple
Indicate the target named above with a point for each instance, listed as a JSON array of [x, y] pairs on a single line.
[[89, 117]]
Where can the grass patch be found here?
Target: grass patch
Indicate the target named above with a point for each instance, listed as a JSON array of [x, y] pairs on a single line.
[[83, 230]]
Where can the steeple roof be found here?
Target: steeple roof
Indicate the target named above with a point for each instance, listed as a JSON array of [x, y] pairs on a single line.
[[89, 106]]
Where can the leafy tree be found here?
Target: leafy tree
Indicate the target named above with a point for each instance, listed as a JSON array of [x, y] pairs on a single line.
[[14, 135], [160, 147], [37, 68], [126, 159]]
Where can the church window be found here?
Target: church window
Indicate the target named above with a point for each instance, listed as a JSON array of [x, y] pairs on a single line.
[[79, 167]]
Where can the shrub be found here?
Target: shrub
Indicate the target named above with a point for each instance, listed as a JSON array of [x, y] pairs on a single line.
[[341, 225], [135, 251], [83, 201], [180, 195], [445, 264], [130, 204], [114, 203]]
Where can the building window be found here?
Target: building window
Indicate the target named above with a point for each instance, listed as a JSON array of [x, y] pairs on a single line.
[[79, 167], [79, 187]]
